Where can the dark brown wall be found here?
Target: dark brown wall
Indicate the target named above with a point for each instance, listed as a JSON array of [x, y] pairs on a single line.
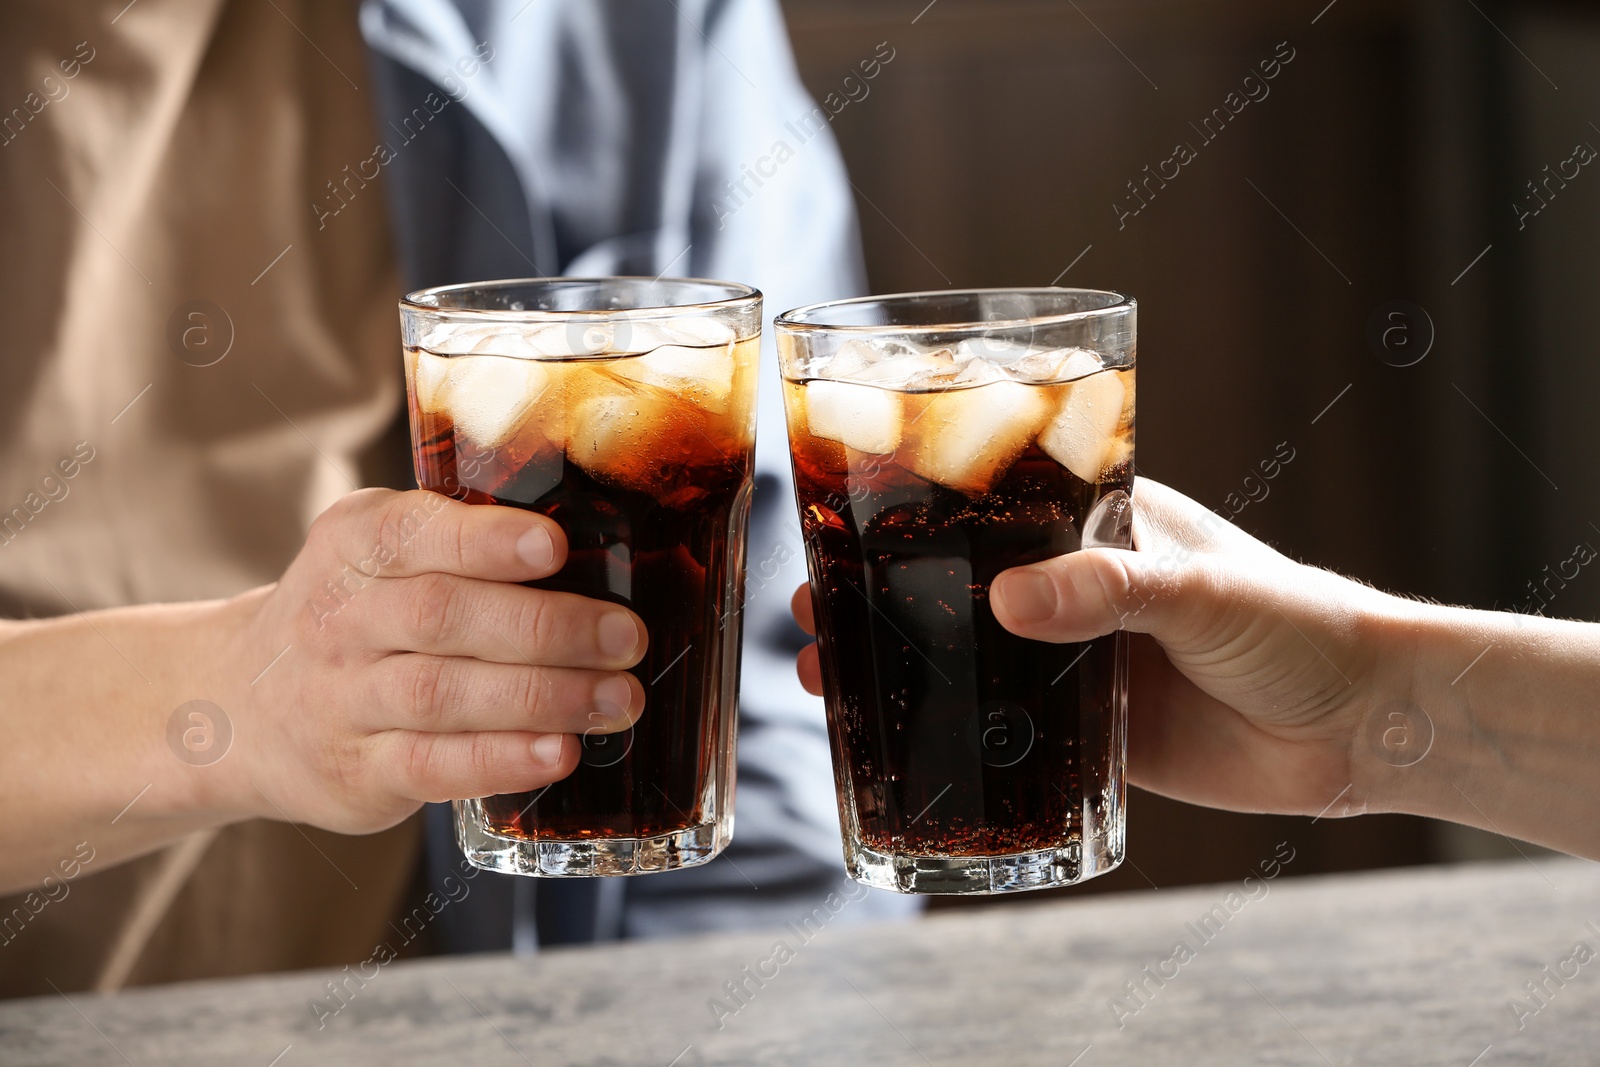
[[992, 148]]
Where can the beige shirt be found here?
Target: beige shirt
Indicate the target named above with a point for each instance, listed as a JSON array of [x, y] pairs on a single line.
[[190, 370]]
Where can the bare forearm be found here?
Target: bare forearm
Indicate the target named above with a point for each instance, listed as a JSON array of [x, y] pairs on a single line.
[[1511, 713], [398, 660], [86, 767]]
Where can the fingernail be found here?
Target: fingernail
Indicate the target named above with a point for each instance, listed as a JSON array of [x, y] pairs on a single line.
[[614, 697], [619, 635], [1029, 596], [535, 547], [548, 748]]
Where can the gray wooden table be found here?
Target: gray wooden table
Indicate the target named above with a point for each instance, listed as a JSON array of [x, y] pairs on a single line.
[[1413, 967]]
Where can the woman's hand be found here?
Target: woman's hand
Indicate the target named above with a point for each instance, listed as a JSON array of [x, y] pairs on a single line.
[[1253, 678], [1261, 684], [1251, 674]]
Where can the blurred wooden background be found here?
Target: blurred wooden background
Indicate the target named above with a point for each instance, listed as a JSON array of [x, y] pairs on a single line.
[[1382, 165]]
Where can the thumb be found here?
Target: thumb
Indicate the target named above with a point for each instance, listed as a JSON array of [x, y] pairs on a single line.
[[1083, 595], [1195, 580]]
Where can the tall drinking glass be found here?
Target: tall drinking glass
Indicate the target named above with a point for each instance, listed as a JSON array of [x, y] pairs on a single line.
[[624, 409], [938, 439]]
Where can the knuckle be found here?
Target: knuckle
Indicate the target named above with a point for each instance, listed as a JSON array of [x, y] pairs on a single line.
[[419, 761], [537, 618], [532, 690], [482, 758], [426, 685], [1116, 582], [345, 767], [360, 507], [399, 520], [432, 608], [461, 539]]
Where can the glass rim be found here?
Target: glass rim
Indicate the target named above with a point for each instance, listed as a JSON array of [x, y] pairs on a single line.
[[739, 297], [795, 319]]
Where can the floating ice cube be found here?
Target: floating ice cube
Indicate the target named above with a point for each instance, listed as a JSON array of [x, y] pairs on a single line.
[[979, 372], [860, 359], [453, 338], [430, 374], [602, 337], [968, 438], [992, 350], [489, 397], [535, 342], [697, 333], [858, 416], [541, 341], [1080, 363], [851, 359], [1083, 434], [702, 375], [599, 431], [621, 434], [1055, 365], [917, 370]]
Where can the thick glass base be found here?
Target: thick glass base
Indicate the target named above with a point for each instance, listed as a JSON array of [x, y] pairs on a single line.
[[589, 858], [902, 873]]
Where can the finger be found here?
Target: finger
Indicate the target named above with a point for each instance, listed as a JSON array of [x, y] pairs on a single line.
[[499, 622], [436, 767], [800, 607], [452, 694], [810, 668], [1085, 594], [1170, 587], [382, 533]]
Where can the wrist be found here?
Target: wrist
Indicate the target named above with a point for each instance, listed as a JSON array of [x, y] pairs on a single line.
[[1496, 727], [1414, 738], [211, 730]]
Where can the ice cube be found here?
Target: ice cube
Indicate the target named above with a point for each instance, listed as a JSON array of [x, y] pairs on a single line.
[[453, 338], [1082, 436], [993, 350], [1056, 365], [967, 438], [429, 375], [851, 359], [625, 435], [916, 370], [702, 375], [489, 397], [541, 341], [858, 416], [979, 372], [1080, 363], [536, 342], [697, 333], [863, 360], [599, 432]]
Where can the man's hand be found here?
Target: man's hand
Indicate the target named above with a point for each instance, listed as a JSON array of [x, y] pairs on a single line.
[[417, 670]]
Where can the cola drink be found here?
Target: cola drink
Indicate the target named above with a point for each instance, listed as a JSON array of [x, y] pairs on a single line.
[[967, 759], [637, 439]]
